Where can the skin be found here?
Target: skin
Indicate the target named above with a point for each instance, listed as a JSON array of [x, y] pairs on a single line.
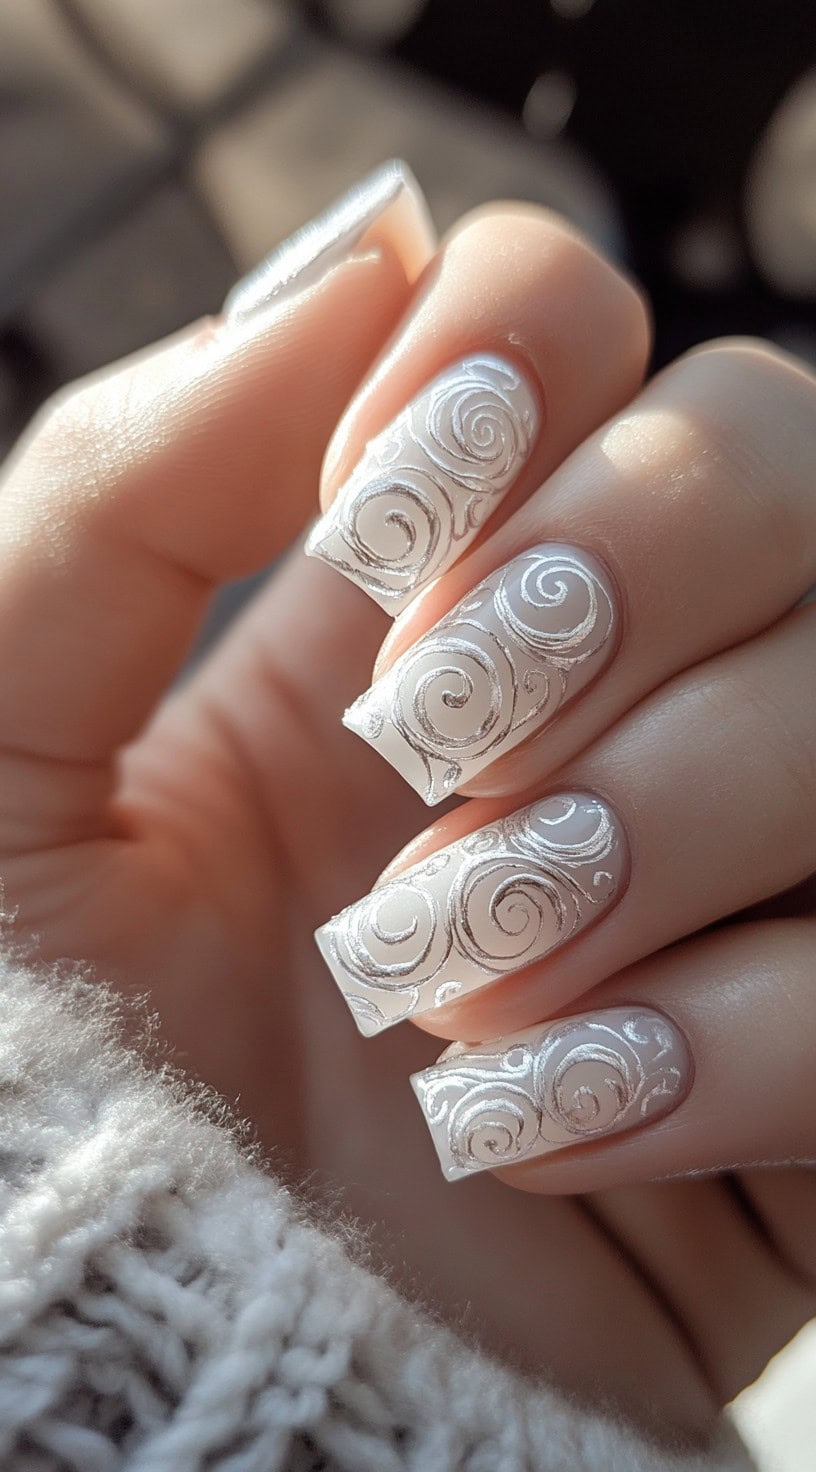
[[190, 847]]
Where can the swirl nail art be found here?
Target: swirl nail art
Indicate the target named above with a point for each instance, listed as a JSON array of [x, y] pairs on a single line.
[[427, 484], [550, 1087], [498, 667], [485, 906]]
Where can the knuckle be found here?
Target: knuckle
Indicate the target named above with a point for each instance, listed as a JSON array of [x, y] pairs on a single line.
[[742, 422], [749, 356], [529, 244], [777, 746], [61, 426], [69, 452], [746, 391], [59, 413]]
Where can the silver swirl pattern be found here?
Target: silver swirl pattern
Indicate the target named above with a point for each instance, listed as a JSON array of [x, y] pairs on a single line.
[[500, 665], [550, 603], [474, 432], [481, 908], [393, 527], [551, 1087], [427, 483]]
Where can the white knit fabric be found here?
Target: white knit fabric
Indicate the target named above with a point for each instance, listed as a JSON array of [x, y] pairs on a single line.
[[165, 1307]]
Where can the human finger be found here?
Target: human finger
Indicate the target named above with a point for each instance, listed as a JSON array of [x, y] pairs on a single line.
[[685, 526], [521, 341], [137, 491], [502, 913]]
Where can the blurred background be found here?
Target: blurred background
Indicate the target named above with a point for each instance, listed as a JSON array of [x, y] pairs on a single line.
[[151, 150]]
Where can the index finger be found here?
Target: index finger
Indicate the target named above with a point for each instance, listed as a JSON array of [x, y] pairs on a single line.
[[520, 341]]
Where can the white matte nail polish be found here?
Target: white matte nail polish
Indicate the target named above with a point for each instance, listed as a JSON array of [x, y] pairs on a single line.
[[346, 226], [500, 666], [427, 484], [485, 906], [552, 1086]]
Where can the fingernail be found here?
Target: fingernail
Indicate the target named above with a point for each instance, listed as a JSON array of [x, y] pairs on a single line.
[[485, 906], [496, 669], [550, 1087], [427, 484], [308, 255]]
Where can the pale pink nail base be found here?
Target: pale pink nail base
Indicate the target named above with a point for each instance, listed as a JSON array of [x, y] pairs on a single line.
[[426, 485], [486, 906], [551, 1087], [499, 667]]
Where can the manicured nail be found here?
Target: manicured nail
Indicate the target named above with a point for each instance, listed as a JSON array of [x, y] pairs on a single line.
[[427, 484], [308, 255], [483, 907], [497, 668], [551, 1086]]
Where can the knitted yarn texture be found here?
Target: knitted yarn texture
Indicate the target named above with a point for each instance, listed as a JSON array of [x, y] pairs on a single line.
[[166, 1307]]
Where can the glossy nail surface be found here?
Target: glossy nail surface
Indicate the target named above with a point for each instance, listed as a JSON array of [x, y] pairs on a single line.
[[427, 484], [308, 255], [496, 669], [551, 1086], [483, 907]]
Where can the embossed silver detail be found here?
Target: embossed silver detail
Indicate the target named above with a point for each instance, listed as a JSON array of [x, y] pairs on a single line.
[[485, 906], [551, 1086], [500, 665], [428, 482]]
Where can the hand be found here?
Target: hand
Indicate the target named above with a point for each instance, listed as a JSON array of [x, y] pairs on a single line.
[[190, 848]]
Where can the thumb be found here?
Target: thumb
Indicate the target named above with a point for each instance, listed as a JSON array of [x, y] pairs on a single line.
[[138, 490]]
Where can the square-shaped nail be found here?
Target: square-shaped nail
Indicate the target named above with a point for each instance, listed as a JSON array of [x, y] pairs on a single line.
[[552, 1086], [499, 667], [428, 482], [388, 198], [483, 907]]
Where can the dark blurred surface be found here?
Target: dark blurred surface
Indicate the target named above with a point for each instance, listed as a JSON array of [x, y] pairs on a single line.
[[669, 102], [151, 149]]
